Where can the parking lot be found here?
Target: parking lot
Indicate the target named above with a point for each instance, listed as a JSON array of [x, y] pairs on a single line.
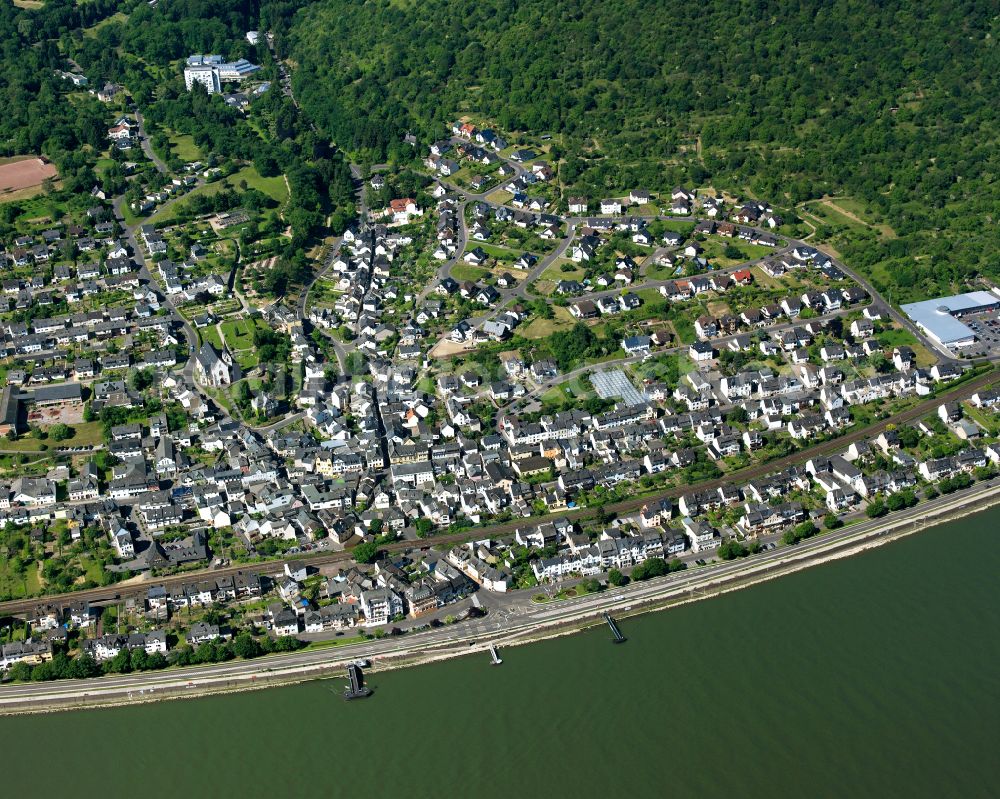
[[986, 326]]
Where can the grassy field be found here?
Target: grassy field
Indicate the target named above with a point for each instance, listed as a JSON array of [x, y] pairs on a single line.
[[831, 216], [540, 328], [103, 165], [85, 434], [239, 333], [15, 586], [239, 338], [463, 271], [988, 421], [500, 253], [649, 295], [896, 337], [678, 225], [183, 146], [211, 335], [274, 188], [118, 16], [855, 210], [555, 273], [655, 271], [714, 249], [500, 196]]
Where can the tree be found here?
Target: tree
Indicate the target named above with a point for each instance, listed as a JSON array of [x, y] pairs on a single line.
[[119, 664], [738, 415], [424, 526], [806, 529], [143, 379], [243, 394], [155, 661], [732, 549], [139, 660], [83, 667], [246, 646], [876, 508], [19, 672], [616, 578], [654, 567], [60, 431], [366, 552], [44, 672]]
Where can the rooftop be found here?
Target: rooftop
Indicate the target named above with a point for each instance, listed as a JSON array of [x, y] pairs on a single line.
[[938, 316]]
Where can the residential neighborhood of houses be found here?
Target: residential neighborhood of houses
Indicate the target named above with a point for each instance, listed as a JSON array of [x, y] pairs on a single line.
[[433, 378]]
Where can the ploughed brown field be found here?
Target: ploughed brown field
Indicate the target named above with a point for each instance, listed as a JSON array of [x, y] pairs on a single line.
[[24, 173]]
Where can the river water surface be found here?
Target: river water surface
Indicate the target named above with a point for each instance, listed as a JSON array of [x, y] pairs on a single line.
[[875, 676]]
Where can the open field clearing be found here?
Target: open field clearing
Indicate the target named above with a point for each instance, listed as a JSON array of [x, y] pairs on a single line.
[[20, 175]]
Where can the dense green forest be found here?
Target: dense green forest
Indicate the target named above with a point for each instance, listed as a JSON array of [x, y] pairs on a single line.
[[894, 104], [144, 52], [142, 47], [35, 115]]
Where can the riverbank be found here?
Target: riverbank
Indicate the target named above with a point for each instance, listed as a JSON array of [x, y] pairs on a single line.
[[800, 681], [535, 624]]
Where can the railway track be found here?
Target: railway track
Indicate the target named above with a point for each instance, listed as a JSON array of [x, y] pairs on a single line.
[[111, 594]]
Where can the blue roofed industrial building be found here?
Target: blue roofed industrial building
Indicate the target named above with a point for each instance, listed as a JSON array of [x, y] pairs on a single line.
[[940, 318]]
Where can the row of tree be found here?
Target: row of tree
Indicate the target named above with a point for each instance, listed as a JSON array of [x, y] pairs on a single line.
[[244, 645]]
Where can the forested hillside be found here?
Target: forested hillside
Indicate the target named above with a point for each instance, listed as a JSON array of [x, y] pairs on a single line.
[[144, 50], [893, 104], [35, 116]]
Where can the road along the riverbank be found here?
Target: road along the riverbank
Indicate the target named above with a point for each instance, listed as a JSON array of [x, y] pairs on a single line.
[[535, 623]]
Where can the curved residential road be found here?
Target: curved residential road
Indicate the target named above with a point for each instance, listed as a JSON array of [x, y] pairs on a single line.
[[147, 147], [498, 627]]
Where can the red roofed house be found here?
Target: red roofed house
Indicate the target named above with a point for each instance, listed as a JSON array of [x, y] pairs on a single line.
[[402, 210], [743, 276]]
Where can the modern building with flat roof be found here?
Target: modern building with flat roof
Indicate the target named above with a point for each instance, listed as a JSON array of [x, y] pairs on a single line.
[[211, 71], [940, 318]]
